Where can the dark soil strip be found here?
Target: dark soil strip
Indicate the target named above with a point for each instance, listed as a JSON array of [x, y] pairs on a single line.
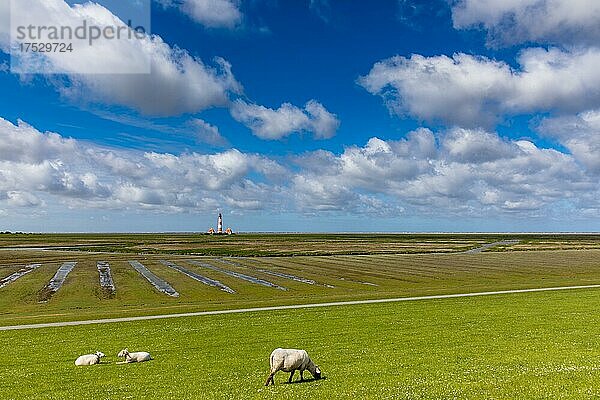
[[56, 282], [199, 278], [238, 275], [106, 280], [23, 271], [159, 284]]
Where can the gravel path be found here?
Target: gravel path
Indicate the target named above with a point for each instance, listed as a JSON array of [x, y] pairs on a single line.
[[292, 307]]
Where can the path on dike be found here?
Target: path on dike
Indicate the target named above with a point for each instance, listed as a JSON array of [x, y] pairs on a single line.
[[291, 307]]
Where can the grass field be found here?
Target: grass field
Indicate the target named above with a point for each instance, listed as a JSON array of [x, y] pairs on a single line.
[[338, 278], [255, 244], [525, 346]]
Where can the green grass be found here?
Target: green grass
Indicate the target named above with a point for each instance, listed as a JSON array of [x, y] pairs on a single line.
[[395, 276], [525, 346], [263, 244], [534, 345]]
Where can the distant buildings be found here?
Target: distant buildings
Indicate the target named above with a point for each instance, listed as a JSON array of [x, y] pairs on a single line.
[[211, 231]]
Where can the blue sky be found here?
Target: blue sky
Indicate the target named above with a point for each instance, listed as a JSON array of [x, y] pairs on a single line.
[[316, 115]]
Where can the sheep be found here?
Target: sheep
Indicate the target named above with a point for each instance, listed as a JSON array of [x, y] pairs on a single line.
[[89, 359], [134, 357], [290, 360]]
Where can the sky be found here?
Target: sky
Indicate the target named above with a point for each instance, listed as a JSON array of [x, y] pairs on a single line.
[[309, 116]]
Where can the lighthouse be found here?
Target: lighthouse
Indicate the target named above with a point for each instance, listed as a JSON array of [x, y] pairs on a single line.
[[220, 224]]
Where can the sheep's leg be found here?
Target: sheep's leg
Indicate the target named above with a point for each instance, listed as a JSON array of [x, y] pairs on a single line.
[[302, 376], [270, 379], [291, 376]]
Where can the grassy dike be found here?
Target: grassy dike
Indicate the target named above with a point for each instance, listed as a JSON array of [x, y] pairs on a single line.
[[534, 345]]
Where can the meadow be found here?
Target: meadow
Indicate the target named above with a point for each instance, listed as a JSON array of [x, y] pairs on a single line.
[[525, 346], [336, 278], [292, 244]]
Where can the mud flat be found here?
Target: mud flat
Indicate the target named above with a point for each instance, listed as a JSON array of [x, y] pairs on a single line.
[[106, 281], [56, 282], [16, 275], [238, 275], [274, 273], [199, 278], [490, 245], [160, 285]]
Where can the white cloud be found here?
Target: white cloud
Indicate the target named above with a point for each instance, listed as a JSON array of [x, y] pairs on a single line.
[[207, 133], [542, 21], [213, 13], [272, 124], [461, 172], [210, 13], [22, 199], [177, 83], [476, 146], [475, 91], [470, 172], [37, 165], [580, 134]]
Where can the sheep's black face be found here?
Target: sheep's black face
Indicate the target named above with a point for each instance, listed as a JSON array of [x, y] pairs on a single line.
[[317, 373]]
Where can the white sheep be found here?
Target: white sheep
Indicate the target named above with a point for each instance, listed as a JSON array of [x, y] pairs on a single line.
[[134, 357], [89, 359], [290, 360]]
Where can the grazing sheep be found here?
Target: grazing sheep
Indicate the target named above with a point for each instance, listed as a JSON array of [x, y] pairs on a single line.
[[134, 357], [89, 359], [290, 360]]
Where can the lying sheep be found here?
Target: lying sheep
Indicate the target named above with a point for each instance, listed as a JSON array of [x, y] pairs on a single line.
[[89, 359], [290, 360], [134, 357]]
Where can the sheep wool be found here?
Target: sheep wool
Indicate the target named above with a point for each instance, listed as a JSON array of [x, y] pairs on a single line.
[[290, 360]]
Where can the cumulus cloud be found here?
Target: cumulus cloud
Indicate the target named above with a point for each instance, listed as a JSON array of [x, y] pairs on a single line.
[[459, 171], [22, 199], [35, 164], [207, 133], [175, 82], [210, 13], [580, 134], [476, 146], [213, 13], [467, 172], [272, 124], [542, 21], [475, 91]]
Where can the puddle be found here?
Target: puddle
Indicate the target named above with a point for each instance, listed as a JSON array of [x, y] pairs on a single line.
[[59, 278], [361, 282], [273, 273], [106, 280], [199, 278], [56, 282], [490, 245], [23, 271], [159, 284], [238, 275]]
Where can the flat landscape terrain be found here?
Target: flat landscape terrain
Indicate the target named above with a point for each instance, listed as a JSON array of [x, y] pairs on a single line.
[[264, 244], [524, 345]]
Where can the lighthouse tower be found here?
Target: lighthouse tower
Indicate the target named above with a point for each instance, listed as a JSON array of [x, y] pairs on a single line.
[[220, 224]]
